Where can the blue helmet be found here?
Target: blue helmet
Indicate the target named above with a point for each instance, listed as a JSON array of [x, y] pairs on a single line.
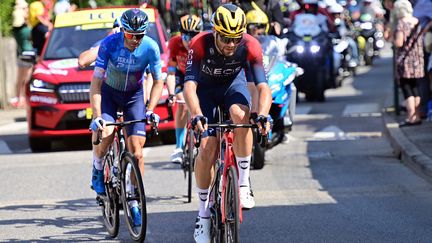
[[134, 20]]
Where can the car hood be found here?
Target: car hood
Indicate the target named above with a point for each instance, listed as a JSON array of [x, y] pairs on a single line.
[[62, 71]]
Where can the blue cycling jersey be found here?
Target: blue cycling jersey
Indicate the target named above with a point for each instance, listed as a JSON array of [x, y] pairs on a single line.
[[125, 69]]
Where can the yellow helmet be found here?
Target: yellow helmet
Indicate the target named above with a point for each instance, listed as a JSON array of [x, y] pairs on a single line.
[[229, 21], [191, 23], [258, 18]]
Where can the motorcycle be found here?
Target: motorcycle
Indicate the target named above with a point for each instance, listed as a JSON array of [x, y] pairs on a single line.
[[311, 48], [281, 75], [370, 40]]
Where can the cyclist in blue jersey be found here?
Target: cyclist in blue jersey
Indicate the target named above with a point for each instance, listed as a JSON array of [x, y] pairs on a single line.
[[216, 70], [117, 83]]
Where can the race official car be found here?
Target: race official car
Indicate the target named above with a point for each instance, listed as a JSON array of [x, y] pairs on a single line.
[[58, 93]]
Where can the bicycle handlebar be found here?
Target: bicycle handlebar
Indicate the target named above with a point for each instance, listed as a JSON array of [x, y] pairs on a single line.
[[153, 131]]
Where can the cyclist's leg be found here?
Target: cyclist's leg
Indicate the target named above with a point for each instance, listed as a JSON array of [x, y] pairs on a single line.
[[134, 109], [180, 119], [109, 113], [204, 164], [237, 98]]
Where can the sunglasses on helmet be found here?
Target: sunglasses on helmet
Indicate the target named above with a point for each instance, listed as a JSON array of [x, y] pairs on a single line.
[[187, 36], [130, 36], [227, 40]]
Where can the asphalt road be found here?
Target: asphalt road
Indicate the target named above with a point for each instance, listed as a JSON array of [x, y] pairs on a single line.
[[336, 180]]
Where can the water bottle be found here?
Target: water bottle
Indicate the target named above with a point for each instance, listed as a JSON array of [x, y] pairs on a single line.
[[429, 114]]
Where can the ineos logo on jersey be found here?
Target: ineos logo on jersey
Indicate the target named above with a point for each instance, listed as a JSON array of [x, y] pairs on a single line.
[[189, 60], [219, 71]]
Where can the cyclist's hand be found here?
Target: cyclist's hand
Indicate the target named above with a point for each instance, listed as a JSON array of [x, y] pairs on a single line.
[[171, 100], [264, 123], [199, 123], [152, 118], [97, 124]]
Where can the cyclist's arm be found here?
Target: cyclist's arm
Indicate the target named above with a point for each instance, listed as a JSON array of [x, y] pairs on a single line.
[[156, 72], [95, 91], [88, 57], [256, 68], [191, 98], [170, 81], [97, 79]]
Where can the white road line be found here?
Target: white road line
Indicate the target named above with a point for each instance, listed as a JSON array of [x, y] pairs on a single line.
[[330, 133], [14, 128], [302, 110], [4, 148], [360, 108]]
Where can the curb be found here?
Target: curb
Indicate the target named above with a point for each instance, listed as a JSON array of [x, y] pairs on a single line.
[[405, 150]]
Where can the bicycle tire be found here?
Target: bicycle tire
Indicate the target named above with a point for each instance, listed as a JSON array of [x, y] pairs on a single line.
[[191, 162], [110, 207], [231, 207], [216, 217], [137, 233]]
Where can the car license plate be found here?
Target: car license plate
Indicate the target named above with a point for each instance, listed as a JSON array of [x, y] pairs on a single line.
[[89, 113]]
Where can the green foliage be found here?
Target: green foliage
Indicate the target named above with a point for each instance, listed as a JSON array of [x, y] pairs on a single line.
[[6, 7]]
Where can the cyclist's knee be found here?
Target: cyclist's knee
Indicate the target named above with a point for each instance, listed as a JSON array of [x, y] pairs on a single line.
[[138, 155], [239, 113]]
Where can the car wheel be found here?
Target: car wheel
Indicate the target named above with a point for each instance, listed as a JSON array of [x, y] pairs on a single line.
[[39, 145]]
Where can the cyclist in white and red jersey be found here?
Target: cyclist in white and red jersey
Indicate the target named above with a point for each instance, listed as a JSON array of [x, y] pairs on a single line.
[[216, 70]]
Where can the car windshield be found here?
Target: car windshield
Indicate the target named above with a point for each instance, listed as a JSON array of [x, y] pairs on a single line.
[[69, 42]]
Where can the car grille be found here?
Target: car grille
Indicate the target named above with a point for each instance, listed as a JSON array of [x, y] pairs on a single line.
[[74, 93]]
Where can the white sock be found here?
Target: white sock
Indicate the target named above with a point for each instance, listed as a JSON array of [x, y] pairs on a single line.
[[133, 203], [243, 164], [97, 162], [204, 210]]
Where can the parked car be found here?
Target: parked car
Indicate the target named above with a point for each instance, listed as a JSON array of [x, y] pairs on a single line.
[[58, 93]]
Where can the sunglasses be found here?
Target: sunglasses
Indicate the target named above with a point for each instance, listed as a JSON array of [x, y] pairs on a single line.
[[188, 36], [130, 36], [257, 26], [227, 40]]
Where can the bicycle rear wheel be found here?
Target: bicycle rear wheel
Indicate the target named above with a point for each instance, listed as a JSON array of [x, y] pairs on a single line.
[[133, 189], [231, 207], [110, 206]]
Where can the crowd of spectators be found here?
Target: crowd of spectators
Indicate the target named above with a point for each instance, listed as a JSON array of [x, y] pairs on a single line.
[[408, 28]]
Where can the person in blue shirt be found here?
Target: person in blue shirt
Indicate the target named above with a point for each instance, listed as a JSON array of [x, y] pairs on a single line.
[[117, 83]]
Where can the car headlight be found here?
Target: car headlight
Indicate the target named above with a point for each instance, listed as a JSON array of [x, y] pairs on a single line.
[[37, 85], [314, 48]]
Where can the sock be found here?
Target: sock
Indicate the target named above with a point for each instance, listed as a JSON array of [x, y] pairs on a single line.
[[204, 210], [244, 168], [133, 203], [180, 133], [97, 162]]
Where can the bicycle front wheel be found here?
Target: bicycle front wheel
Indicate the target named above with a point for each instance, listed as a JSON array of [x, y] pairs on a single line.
[[133, 198], [231, 207], [190, 162], [110, 206]]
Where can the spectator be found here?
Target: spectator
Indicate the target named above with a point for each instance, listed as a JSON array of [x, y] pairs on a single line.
[[63, 6], [40, 22], [409, 59], [21, 32]]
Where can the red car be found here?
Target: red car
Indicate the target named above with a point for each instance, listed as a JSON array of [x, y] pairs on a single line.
[[58, 93]]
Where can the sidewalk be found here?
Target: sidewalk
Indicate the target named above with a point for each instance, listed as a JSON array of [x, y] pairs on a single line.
[[413, 145], [12, 115]]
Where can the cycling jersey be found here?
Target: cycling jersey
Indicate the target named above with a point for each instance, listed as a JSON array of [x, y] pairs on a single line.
[[221, 80], [205, 65], [125, 69], [177, 53]]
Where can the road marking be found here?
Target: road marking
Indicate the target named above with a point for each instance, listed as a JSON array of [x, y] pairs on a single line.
[[4, 148], [302, 110], [14, 128], [369, 108], [330, 133]]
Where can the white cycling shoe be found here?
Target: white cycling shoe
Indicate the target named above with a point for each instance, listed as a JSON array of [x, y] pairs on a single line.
[[202, 230], [247, 200], [176, 156]]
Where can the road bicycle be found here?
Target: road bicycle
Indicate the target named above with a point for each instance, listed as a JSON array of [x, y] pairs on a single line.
[[123, 184], [224, 202]]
